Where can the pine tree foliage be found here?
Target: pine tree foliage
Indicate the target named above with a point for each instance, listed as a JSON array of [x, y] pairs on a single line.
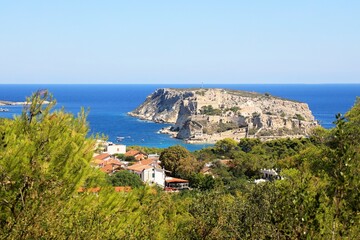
[[44, 157]]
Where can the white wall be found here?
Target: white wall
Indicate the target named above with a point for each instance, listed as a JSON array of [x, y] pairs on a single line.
[[116, 149], [158, 177]]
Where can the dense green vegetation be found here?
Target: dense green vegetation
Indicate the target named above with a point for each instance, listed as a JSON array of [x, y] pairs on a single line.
[[45, 155], [148, 150], [125, 178], [179, 161], [209, 110]]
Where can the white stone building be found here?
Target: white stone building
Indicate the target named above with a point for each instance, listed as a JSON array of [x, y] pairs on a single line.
[[116, 149], [149, 173]]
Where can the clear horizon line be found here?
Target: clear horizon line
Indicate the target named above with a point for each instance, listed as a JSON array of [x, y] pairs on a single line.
[[297, 83]]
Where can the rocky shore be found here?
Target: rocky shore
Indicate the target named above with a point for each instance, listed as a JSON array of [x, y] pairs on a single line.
[[208, 115]]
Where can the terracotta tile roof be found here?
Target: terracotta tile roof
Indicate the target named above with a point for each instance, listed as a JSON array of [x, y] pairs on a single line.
[[132, 152], [140, 157], [102, 156], [97, 161], [112, 161], [109, 168], [178, 180], [147, 161], [106, 170], [138, 167]]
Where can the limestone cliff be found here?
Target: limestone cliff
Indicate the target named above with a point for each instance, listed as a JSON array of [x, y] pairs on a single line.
[[207, 115]]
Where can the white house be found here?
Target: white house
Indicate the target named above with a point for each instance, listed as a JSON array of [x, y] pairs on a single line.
[[116, 149], [150, 174], [153, 175], [159, 176]]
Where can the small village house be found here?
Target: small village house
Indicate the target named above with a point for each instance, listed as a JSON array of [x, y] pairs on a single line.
[[149, 172], [109, 147], [102, 156], [138, 155], [116, 149], [107, 163]]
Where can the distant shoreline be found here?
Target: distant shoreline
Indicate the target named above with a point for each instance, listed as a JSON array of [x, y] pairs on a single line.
[[10, 103]]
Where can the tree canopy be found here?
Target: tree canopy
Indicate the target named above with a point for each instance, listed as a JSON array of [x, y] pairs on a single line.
[[179, 161], [44, 158], [125, 178]]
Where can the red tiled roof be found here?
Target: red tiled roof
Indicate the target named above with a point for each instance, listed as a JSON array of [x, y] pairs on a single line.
[[102, 156], [97, 161], [132, 152], [112, 161], [147, 161], [138, 167], [172, 180], [140, 157], [109, 168]]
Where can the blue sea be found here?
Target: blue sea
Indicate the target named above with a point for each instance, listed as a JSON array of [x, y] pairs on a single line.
[[109, 104]]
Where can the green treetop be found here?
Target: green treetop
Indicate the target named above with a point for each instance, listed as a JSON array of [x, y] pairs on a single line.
[[44, 158]]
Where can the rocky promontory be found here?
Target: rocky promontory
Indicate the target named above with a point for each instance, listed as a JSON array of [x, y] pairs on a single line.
[[208, 115]]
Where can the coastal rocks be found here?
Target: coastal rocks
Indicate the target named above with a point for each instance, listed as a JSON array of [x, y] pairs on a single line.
[[161, 106], [207, 115]]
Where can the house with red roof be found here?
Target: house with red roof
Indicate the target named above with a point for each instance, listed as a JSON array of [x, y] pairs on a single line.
[[149, 171], [110, 169], [138, 155], [106, 163], [102, 156]]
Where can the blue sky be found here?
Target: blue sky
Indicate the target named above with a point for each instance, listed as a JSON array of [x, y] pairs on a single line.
[[184, 41]]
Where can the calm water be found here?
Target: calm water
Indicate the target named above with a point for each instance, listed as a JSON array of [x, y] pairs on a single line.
[[109, 105]]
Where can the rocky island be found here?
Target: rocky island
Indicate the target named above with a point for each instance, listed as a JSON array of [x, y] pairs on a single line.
[[208, 115]]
